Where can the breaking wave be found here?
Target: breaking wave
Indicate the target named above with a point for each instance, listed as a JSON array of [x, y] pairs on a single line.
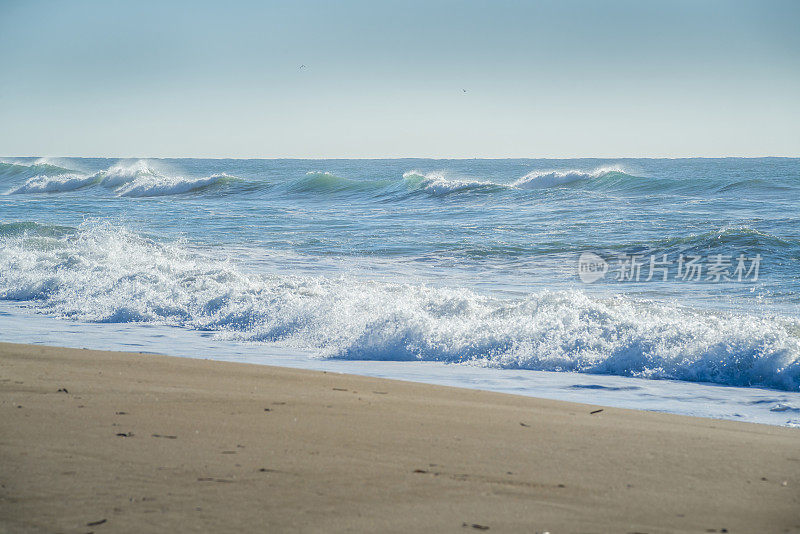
[[150, 186], [119, 175], [104, 273], [135, 180], [54, 184], [140, 179], [436, 183], [544, 179]]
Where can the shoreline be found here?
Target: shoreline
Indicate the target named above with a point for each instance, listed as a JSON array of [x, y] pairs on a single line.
[[160, 443], [698, 399]]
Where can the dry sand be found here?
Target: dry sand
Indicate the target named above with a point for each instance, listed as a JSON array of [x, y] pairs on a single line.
[[145, 443]]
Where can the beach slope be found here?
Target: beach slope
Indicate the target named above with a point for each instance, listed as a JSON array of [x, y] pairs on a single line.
[[94, 441]]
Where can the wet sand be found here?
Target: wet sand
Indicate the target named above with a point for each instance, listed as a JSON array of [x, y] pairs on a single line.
[[94, 441]]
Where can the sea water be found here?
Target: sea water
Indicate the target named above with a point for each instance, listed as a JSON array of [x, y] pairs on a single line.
[[661, 284]]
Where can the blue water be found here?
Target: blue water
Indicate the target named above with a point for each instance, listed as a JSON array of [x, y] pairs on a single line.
[[468, 263]]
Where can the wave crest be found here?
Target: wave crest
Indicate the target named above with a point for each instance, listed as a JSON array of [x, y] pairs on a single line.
[[544, 179], [139, 179], [134, 180], [119, 175], [54, 184], [156, 185], [437, 184]]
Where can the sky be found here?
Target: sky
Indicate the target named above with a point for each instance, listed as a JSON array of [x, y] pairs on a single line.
[[357, 79]]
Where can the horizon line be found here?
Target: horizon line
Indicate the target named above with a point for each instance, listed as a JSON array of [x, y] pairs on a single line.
[[365, 158]]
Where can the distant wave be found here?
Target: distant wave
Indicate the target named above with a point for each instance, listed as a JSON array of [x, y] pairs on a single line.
[[543, 179], [133, 180], [743, 236], [325, 182], [54, 184], [726, 239], [610, 179], [104, 273], [140, 179], [149, 186], [759, 184], [437, 184], [119, 175], [432, 183], [613, 178], [17, 170]]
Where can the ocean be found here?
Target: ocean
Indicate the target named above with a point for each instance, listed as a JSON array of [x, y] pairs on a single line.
[[661, 284]]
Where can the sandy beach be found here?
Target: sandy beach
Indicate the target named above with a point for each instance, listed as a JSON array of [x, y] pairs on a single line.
[[96, 441]]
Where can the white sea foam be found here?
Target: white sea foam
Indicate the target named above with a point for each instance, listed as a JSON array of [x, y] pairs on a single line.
[[108, 274]]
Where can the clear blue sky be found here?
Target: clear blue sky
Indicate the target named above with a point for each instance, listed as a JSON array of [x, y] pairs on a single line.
[[387, 79]]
